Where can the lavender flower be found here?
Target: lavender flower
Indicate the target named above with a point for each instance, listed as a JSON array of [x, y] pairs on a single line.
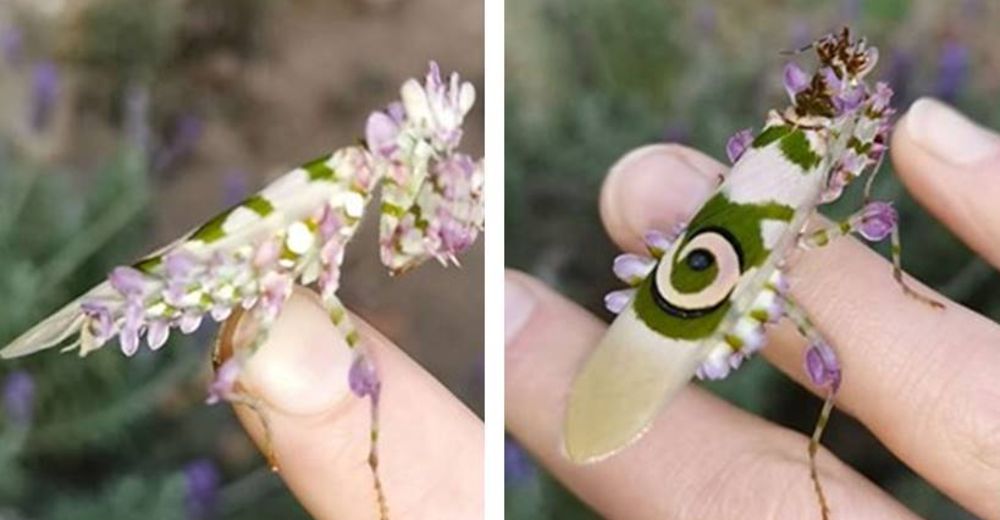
[[953, 65], [187, 132], [676, 132], [234, 187], [12, 45], [19, 397], [517, 464], [822, 366], [44, 92], [738, 144], [202, 479]]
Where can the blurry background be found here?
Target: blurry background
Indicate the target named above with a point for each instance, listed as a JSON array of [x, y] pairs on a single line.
[[124, 123], [588, 80]]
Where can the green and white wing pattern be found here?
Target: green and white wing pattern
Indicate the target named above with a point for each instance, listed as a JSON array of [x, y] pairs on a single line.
[[698, 306], [701, 307]]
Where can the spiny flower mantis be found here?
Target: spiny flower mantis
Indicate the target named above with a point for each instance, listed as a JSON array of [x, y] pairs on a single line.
[[698, 304], [247, 258]]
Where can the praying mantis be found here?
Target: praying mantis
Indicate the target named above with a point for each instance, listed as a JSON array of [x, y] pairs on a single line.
[[295, 230], [699, 303]]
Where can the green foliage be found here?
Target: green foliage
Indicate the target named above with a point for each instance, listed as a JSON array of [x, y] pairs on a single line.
[[588, 81]]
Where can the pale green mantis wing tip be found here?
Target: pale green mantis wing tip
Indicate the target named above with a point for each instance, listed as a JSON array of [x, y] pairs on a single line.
[[628, 378]]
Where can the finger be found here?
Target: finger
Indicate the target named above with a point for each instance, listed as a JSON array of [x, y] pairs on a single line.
[[952, 166], [702, 458], [430, 445], [923, 380], [671, 181]]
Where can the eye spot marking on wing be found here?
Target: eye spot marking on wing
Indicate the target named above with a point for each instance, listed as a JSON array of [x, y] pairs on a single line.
[[701, 276]]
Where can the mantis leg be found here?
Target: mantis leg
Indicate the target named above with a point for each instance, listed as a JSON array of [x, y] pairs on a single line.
[[364, 382], [875, 221], [229, 363], [824, 371]]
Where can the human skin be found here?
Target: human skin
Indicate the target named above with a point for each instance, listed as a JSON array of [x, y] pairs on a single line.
[[924, 381], [430, 444]]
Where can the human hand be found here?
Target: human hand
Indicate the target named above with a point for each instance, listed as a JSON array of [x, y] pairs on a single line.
[[923, 380], [430, 444]]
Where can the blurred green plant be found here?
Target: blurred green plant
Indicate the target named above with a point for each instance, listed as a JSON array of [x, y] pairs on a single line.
[[588, 80]]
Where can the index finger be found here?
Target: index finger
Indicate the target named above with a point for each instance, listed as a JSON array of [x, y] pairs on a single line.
[[430, 445]]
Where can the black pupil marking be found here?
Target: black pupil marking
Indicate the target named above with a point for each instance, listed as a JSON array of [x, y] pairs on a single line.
[[700, 259]]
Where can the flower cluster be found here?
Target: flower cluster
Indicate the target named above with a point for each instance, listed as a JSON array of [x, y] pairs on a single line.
[[432, 195]]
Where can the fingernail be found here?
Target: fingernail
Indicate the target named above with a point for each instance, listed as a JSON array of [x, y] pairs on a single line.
[[949, 135], [302, 367], [519, 303], [655, 187]]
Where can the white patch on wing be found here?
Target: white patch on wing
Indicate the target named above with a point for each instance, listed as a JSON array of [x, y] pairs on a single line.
[[300, 238], [764, 175], [771, 231], [239, 218]]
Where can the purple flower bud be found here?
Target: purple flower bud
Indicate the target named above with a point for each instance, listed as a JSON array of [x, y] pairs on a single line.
[[234, 187], [738, 144], [202, 479], [19, 397], [878, 220], [953, 65], [128, 281], [822, 366], [616, 301], [44, 90], [632, 269], [363, 378], [12, 45], [224, 383], [796, 80], [517, 464], [185, 137]]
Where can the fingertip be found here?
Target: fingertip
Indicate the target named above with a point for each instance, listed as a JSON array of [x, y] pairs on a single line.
[[301, 368], [655, 187]]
